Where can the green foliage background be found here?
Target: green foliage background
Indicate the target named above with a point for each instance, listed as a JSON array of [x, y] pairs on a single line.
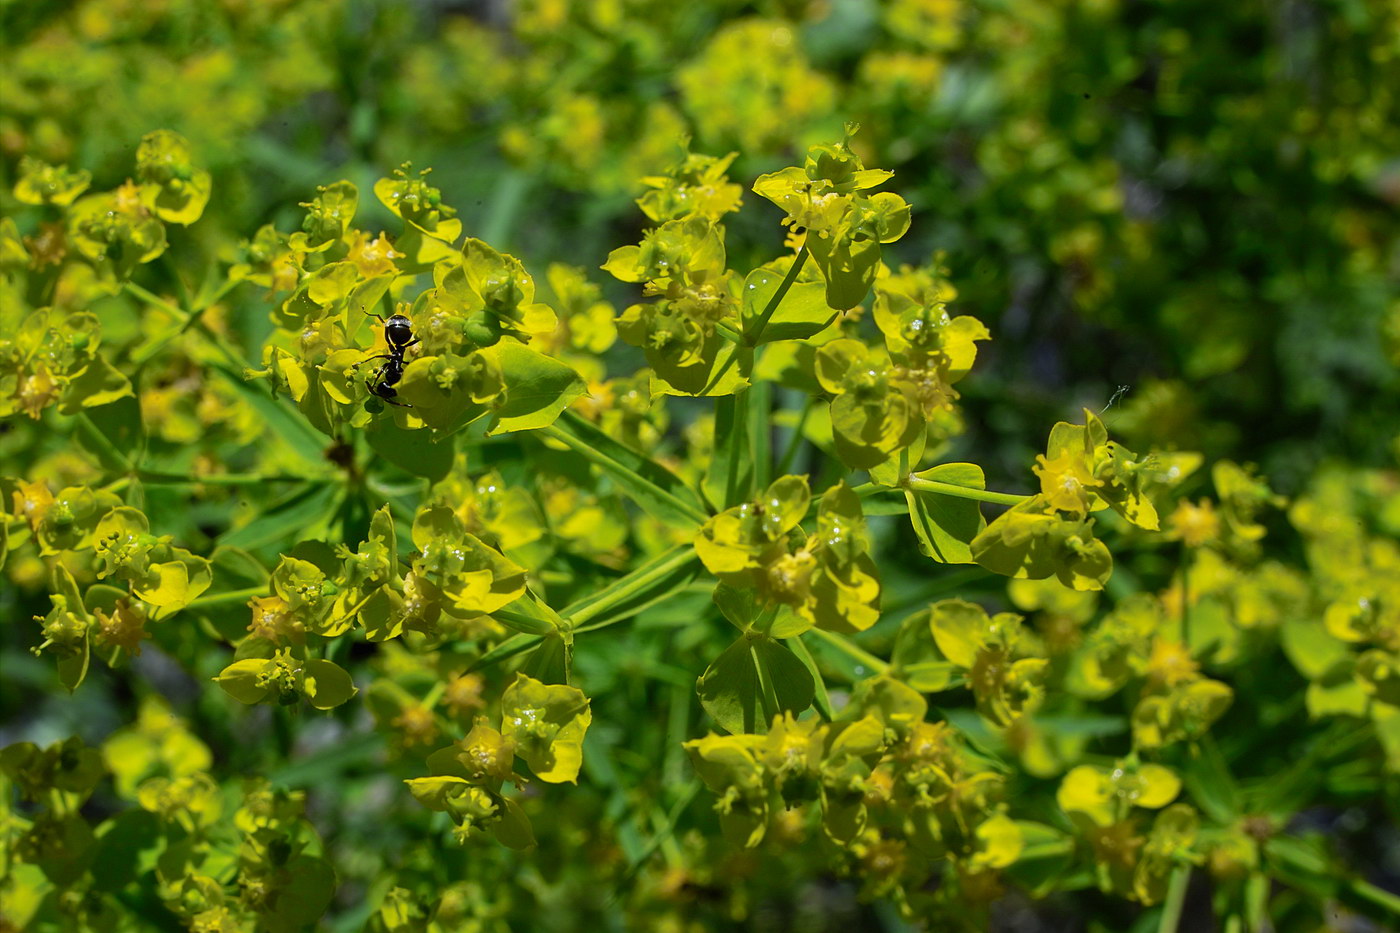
[[1188, 210]]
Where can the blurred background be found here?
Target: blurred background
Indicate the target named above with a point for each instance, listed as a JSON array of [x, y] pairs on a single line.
[[1188, 208], [1193, 200]]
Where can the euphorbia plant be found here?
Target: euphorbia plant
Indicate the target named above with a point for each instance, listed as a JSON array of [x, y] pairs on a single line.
[[446, 552]]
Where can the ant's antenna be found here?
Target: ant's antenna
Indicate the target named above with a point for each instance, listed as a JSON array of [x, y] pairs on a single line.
[[1122, 391]]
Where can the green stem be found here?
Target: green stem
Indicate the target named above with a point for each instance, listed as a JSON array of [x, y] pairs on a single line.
[[228, 286], [738, 409], [1186, 597], [849, 648], [91, 432], [963, 492], [758, 404], [151, 298], [1046, 850], [687, 795], [729, 333], [822, 700], [435, 694], [187, 320], [1176, 899], [235, 355], [795, 442], [507, 649], [613, 466], [1379, 897], [724, 367], [765, 683], [232, 596], [864, 491], [159, 478], [521, 622], [634, 584], [752, 336]]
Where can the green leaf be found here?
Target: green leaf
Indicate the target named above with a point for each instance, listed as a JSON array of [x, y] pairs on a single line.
[[302, 510], [787, 684], [166, 585], [916, 659], [547, 722], [309, 888], [1302, 862], [1312, 649], [73, 668], [741, 606], [1337, 692], [525, 615], [419, 452], [331, 282], [960, 629], [327, 685], [364, 297], [111, 456], [718, 368], [820, 699], [506, 649], [755, 679], [100, 383], [130, 838], [803, 312], [513, 828], [947, 524], [659, 492], [300, 437], [652, 582], [240, 680], [552, 660], [730, 478], [1212, 787], [1045, 859], [849, 266], [538, 388], [120, 423], [450, 392]]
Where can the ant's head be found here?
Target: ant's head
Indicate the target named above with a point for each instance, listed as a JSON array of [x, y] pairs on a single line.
[[398, 331]]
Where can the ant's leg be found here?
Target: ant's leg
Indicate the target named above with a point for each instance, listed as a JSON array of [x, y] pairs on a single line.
[[414, 342], [396, 404], [382, 356]]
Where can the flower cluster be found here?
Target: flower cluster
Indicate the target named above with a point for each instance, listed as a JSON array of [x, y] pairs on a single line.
[[542, 724]]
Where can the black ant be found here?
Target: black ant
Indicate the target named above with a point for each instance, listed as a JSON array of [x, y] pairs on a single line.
[[398, 334]]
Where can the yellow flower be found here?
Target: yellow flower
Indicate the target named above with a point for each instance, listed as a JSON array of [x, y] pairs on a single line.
[[1171, 663], [1117, 845], [416, 725], [37, 391], [373, 256], [32, 502], [124, 628], [1065, 482], [272, 621], [128, 200], [1195, 524], [463, 695]]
